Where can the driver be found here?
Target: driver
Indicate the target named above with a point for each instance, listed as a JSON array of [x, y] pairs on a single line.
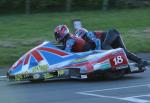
[[108, 40], [70, 42]]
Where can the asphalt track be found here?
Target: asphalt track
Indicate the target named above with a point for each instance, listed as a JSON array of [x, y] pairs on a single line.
[[133, 88]]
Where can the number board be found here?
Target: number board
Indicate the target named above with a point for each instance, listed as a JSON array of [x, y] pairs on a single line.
[[118, 60]]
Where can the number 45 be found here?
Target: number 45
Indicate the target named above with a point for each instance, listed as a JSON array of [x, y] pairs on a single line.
[[118, 60]]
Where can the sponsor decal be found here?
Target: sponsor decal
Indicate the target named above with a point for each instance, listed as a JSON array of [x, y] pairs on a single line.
[[36, 76], [21, 76], [121, 67], [56, 73], [80, 60], [84, 76], [60, 72], [63, 72], [40, 68], [48, 75], [104, 65], [85, 59]]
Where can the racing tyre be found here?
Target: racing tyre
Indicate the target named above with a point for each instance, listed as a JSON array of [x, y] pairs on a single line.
[[113, 75]]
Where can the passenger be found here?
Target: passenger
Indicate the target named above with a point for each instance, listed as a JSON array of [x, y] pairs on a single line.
[[110, 39]]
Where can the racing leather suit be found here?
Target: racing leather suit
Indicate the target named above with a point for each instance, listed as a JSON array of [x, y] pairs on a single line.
[[111, 40], [75, 44], [92, 38]]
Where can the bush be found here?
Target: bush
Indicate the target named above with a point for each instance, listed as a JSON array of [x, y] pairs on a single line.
[[15, 6], [18, 6]]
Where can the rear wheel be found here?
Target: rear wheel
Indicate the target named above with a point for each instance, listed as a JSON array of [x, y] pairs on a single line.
[[114, 74]]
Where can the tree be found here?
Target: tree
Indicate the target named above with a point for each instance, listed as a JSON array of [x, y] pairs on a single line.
[[68, 5], [105, 5], [27, 6]]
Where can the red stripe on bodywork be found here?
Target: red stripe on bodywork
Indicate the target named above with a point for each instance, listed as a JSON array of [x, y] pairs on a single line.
[[37, 56], [89, 67], [26, 59], [80, 64], [19, 62], [89, 64], [54, 51]]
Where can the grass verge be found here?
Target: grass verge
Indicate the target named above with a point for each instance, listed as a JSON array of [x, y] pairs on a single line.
[[19, 33]]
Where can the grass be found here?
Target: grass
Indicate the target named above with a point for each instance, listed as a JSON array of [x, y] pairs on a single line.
[[19, 33]]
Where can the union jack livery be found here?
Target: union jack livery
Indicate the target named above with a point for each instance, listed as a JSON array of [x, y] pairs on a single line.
[[47, 61]]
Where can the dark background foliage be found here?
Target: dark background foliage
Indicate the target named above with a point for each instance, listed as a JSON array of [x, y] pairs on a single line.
[[32, 6]]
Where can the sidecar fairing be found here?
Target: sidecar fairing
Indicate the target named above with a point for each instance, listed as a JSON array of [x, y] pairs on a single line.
[[46, 61]]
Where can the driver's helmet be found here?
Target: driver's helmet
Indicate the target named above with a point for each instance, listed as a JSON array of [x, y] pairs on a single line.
[[81, 32], [60, 32]]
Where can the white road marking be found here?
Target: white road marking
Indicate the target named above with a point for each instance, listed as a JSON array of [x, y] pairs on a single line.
[[146, 95], [3, 77], [95, 95], [137, 100], [131, 99], [148, 86], [134, 99], [118, 88]]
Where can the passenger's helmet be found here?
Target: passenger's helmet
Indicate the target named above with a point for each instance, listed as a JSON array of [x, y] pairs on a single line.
[[81, 32], [60, 32]]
